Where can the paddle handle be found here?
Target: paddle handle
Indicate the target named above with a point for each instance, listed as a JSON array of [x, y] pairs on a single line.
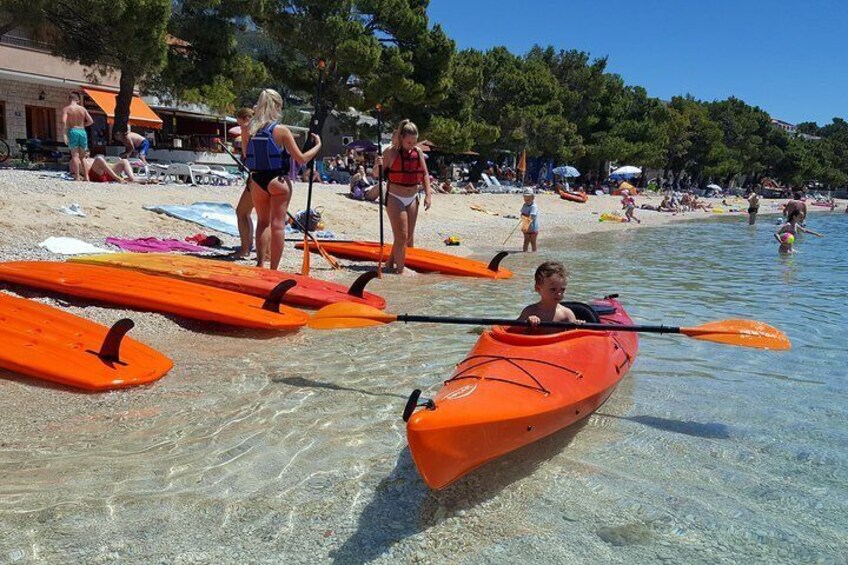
[[526, 324]]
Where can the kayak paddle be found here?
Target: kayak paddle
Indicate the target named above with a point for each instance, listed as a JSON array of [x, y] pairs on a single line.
[[380, 186], [313, 128], [745, 333]]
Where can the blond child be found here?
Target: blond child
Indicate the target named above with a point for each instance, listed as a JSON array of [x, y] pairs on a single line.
[[628, 204], [530, 220]]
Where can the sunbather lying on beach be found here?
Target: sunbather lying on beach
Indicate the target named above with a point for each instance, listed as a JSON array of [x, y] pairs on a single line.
[[97, 169], [551, 280], [362, 187]]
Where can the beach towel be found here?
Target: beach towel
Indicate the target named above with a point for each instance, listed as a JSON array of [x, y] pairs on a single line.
[[218, 216], [156, 245], [70, 246]]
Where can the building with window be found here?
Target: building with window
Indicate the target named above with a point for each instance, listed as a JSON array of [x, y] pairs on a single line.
[[34, 88]]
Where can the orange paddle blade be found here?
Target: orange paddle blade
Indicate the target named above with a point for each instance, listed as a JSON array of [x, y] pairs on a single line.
[[349, 315], [745, 333], [304, 266]]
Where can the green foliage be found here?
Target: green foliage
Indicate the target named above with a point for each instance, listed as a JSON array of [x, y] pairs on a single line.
[[373, 52], [205, 63], [554, 104]]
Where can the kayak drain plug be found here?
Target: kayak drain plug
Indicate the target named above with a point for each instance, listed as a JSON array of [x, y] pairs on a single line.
[[413, 403]]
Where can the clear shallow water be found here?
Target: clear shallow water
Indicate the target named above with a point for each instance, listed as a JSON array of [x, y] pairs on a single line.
[[292, 449]]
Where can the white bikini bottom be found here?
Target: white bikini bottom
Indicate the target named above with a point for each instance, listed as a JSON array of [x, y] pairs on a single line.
[[405, 200]]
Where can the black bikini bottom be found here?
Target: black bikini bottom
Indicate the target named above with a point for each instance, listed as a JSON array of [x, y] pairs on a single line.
[[264, 178]]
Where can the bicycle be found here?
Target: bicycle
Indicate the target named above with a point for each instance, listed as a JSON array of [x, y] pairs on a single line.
[[5, 152]]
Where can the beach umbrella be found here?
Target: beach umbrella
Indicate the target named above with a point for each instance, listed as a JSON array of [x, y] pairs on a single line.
[[626, 172], [714, 186], [566, 171]]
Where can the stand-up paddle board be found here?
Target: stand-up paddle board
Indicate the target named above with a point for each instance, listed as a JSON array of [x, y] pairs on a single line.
[[46, 343], [309, 292], [156, 294], [418, 259]]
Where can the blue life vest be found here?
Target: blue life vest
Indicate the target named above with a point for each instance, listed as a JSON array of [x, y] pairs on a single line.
[[263, 153]]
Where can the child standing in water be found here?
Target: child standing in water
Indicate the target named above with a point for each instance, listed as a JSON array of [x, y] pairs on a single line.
[[628, 204], [530, 219], [551, 279], [791, 228]]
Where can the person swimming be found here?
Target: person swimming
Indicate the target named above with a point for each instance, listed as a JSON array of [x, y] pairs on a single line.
[[551, 279]]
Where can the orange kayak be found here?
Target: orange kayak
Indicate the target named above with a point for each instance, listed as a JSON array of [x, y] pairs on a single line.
[[309, 292], [574, 196], [46, 343], [156, 294], [417, 259], [514, 389]]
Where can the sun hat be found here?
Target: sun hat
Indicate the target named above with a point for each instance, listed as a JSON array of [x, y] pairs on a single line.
[[529, 192]]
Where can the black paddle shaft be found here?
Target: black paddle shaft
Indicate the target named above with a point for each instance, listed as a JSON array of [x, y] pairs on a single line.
[[380, 172], [313, 128], [525, 324]]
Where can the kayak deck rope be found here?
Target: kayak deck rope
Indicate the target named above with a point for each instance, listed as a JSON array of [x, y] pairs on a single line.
[[487, 359]]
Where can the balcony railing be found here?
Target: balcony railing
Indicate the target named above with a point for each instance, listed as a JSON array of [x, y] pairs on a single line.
[[25, 43]]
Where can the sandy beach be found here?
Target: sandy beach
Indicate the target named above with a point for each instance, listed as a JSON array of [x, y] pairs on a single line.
[[31, 203]]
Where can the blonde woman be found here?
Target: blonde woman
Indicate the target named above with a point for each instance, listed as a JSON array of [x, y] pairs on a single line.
[[268, 146], [406, 171]]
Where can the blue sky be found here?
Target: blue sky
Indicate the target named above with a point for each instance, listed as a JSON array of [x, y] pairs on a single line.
[[788, 57]]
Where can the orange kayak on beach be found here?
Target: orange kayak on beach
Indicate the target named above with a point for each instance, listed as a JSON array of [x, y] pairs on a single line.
[[151, 293], [48, 344], [574, 196], [417, 259], [514, 389], [309, 292]]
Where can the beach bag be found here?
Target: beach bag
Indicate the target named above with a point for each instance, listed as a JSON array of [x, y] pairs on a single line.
[[314, 219], [263, 153]]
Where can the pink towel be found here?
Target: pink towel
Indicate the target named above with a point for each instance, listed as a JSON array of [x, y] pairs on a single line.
[[156, 245]]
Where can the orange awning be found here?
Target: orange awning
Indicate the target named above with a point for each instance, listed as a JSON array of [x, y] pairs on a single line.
[[140, 113]]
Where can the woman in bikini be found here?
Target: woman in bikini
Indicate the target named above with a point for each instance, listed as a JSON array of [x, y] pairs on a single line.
[[406, 171], [268, 147]]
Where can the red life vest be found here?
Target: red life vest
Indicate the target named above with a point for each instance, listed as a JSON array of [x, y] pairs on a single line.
[[410, 172]]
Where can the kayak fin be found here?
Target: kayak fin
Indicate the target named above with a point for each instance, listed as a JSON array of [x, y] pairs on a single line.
[[275, 297], [358, 286], [413, 403], [109, 351], [494, 264]]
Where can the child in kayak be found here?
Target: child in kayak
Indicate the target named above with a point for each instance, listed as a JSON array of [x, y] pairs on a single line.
[[551, 278]]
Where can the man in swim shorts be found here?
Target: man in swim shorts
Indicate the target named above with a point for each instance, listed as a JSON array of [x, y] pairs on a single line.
[[75, 119], [134, 143]]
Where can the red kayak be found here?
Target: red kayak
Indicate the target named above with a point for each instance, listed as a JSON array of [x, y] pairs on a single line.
[[514, 389], [308, 292], [574, 196], [417, 259]]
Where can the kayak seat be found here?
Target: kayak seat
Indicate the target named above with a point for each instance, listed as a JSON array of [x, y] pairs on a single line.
[[583, 311]]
